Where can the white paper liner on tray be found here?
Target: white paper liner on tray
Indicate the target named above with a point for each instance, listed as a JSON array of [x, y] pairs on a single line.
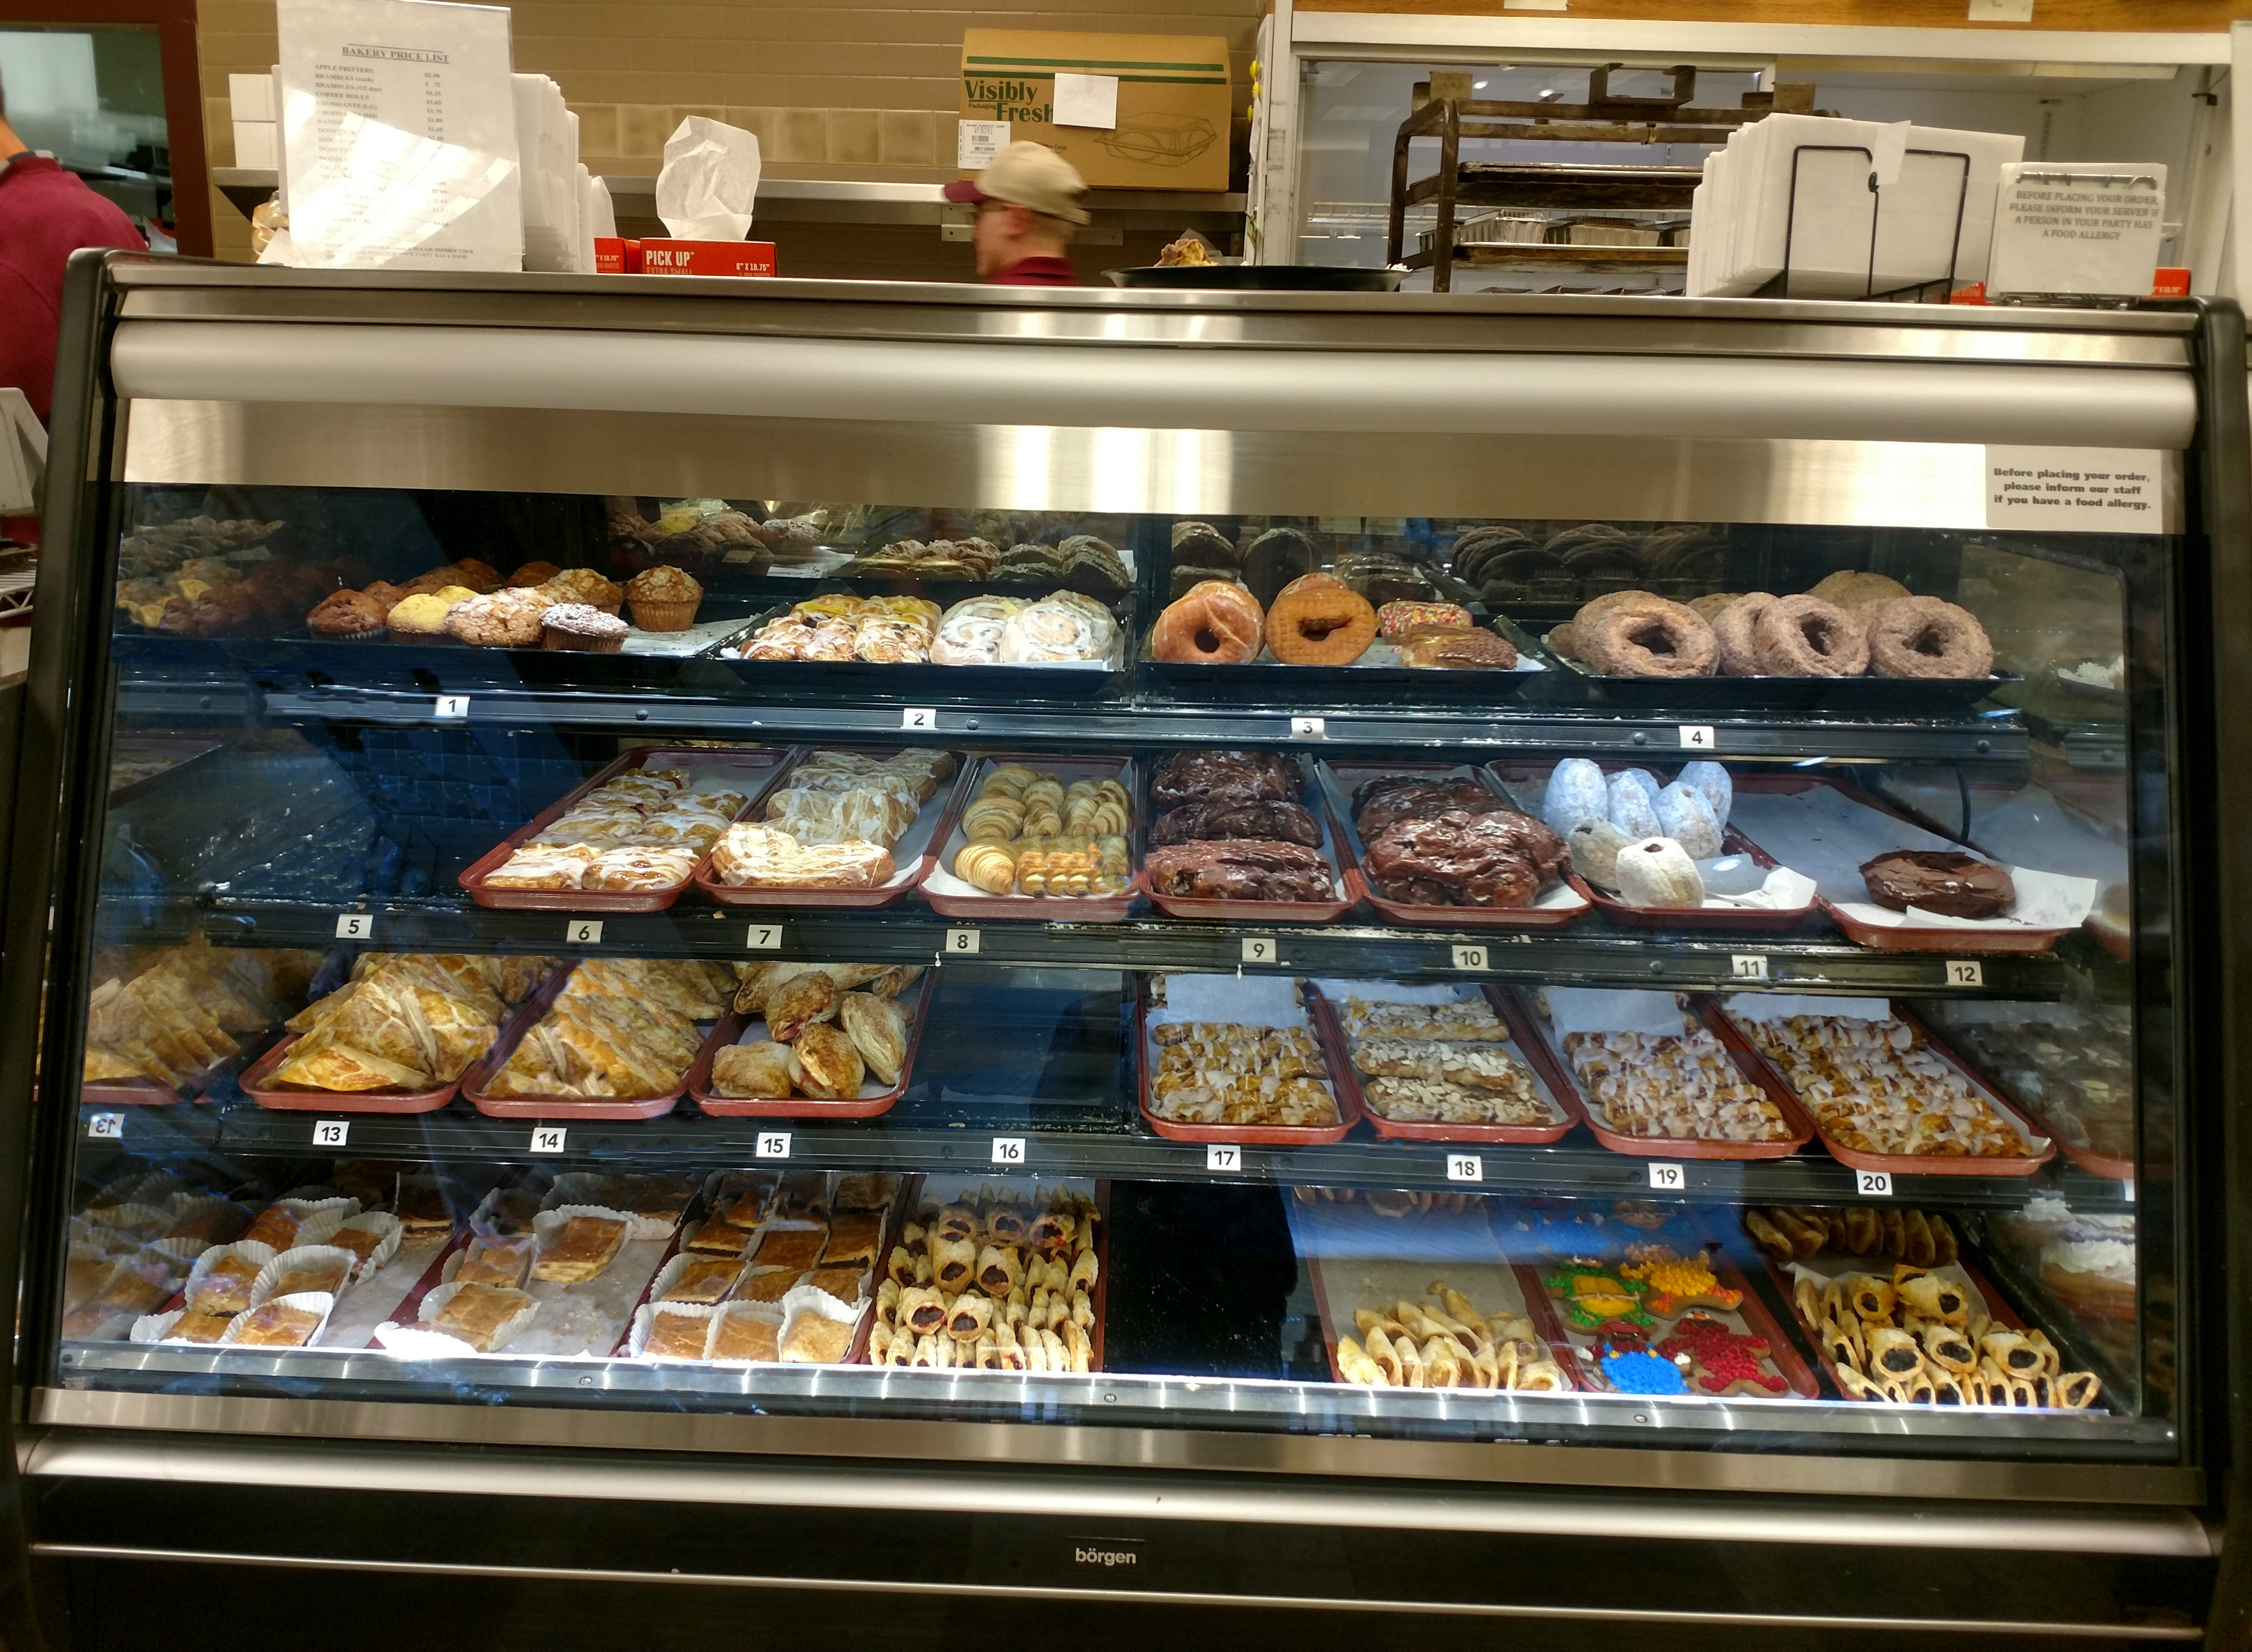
[[392, 1234], [1829, 836], [321, 1302], [1729, 886], [645, 1322], [248, 1250], [1257, 1000], [179, 1254], [156, 1328], [298, 1257], [548, 1225], [694, 640], [1781, 1006], [1569, 1010], [418, 1341], [809, 1299]]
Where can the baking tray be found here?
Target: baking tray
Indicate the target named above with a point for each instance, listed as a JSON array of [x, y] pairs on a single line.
[[1747, 1052], [872, 1100], [1245, 1135], [1861, 696], [760, 767], [1252, 912], [1103, 909], [256, 1086], [1512, 775], [486, 1068], [1564, 1103], [1377, 676], [912, 856], [1548, 1058], [861, 679], [1896, 938], [140, 1093], [1337, 781], [2107, 1165], [1576, 1350]]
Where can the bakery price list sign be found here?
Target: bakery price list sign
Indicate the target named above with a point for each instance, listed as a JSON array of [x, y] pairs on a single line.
[[398, 135]]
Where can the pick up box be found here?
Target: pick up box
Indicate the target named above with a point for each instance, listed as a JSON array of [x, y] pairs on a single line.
[[663, 257]]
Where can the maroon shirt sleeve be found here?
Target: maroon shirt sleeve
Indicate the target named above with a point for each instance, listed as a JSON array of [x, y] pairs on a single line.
[[45, 215]]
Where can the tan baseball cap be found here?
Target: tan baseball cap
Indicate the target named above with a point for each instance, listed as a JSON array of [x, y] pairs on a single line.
[[1027, 175]]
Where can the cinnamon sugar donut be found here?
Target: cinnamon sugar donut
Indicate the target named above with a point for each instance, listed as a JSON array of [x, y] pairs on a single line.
[[1923, 636], [1805, 637], [1648, 636], [1215, 623], [1732, 629], [1710, 605], [1850, 588], [1319, 620]]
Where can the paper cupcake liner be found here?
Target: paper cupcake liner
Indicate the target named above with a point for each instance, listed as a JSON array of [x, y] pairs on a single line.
[[662, 616], [576, 1191], [548, 1225], [568, 642], [295, 1258], [321, 1302], [143, 1221], [393, 1235], [644, 1322], [249, 1250], [434, 1303], [376, 636]]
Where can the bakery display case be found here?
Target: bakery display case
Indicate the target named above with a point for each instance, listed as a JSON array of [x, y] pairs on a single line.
[[1594, 923]]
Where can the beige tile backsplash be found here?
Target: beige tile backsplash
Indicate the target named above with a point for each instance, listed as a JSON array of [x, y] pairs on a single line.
[[849, 88]]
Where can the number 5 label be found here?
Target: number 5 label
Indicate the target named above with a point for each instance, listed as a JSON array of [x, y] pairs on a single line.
[[355, 926]]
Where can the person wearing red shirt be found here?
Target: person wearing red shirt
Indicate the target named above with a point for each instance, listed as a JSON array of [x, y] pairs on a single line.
[[1027, 207], [45, 215]]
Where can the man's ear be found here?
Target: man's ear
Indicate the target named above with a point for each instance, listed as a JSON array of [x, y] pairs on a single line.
[[1020, 221]]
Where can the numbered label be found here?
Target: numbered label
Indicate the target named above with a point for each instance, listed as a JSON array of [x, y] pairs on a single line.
[[918, 716], [2128, 1188], [583, 931], [1873, 1184], [1465, 1166], [355, 926], [763, 937], [1217, 1157], [771, 1144], [107, 1127], [1667, 1178], [1747, 966], [453, 706], [1965, 972], [1469, 957], [1008, 1149], [331, 1132], [548, 1138], [1259, 950], [961, 943], [1310, 728], [1696, 737]]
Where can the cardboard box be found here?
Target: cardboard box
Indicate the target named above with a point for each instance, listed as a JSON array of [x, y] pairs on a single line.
[[617, 255], [1174, 103], [662, 256]]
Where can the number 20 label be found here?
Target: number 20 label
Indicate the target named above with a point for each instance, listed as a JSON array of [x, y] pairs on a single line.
[[1873, 1184]]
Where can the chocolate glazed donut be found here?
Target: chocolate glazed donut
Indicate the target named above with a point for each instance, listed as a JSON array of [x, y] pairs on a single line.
[[1647, 636], [1805, 637], [1923, 636]]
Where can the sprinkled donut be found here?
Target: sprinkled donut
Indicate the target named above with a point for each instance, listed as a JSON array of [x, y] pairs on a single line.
[[1923, 636], [1647, 636], [1805, 637], [1732, 629]]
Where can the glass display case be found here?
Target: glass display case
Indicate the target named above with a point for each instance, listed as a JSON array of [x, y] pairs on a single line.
[[1585, 898]]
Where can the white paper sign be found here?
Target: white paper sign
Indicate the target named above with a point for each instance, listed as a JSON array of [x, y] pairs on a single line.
[[976, 143], [1086, 99], [398, 135], [2077, 229], [2077, 489]]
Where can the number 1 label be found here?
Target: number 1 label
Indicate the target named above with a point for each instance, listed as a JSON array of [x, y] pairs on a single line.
[[453, 706]]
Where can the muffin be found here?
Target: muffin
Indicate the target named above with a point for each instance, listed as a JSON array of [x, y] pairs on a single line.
[[664, 599], [383, 594], [346, 616], [584, 584], [533, 574], [421, 618], [580, 628], [510, 618], [480, 577]]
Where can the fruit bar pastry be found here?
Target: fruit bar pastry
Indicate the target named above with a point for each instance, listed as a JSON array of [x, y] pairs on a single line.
[[997, 1280], [622, 1028], [1445, 1342], [1923, 1338], [1681, 1087], [1796, 1232], [883, 631], [1226, 1072], [1031, 834], [1451, 842], [405, 1022], [1434, 1080], [828, 1028], [645, 829], [1876, 1087], [169, 1014], [834, 825]]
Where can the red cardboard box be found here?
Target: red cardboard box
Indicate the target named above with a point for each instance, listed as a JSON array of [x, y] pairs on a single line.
[[666, 257], [2170, 281], [613, 256]]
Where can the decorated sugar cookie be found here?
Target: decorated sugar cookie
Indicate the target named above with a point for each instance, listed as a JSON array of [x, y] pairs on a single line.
[[1673, 1283], [1722, 1361], [1594, 1296]]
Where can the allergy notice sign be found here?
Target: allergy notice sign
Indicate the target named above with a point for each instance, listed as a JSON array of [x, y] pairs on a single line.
[[2077, 489]]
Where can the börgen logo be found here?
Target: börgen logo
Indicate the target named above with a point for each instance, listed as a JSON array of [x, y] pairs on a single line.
[[1105, 1558]]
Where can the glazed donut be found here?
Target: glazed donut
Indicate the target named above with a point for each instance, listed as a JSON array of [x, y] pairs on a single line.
[[1316, 620], [1805, 637], [1648, 636], [1923, 636], [1850, 588], [1214, 623], [1732, 629]]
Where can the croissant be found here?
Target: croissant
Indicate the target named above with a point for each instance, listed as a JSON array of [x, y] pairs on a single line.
[[953, 1264], [1935, 1298]]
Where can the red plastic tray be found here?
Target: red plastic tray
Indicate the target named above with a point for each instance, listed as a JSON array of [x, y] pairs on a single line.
[[731, 1029], [946, 802], [1747, 1053], [1276, 911], [131, 1093], [483, 1071], [256, 1087], [1249, 1135], [1619, 912], [1564, 1101], [762, 766], [1104, 909], [1888, 938], [1347, 776], [1783, 1353], [1548, 1059]]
